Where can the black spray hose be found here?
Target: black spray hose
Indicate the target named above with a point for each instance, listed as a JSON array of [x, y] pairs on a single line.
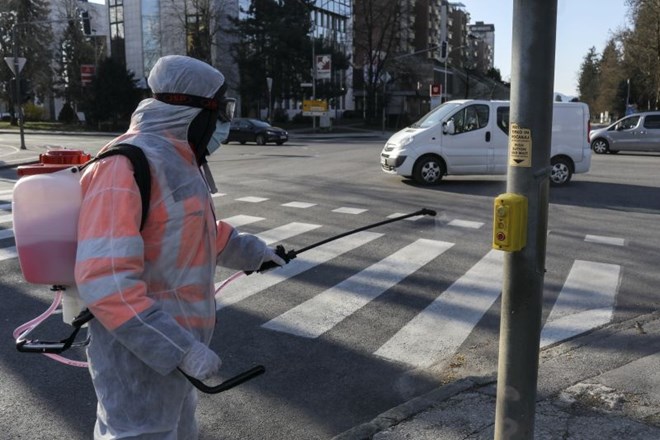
[[227, 384], [290, 255]]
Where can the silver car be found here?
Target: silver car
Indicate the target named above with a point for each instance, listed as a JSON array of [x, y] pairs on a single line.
[[636, 132]]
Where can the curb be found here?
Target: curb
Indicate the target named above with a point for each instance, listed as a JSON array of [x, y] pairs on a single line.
[[413, 407]]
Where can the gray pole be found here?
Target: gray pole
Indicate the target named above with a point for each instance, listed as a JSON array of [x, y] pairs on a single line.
[[17, 88], [532, 77], [313, 74]]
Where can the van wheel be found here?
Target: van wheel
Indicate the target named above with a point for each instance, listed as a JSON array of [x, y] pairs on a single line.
[[561, 171], [600, 146], [429, 170]]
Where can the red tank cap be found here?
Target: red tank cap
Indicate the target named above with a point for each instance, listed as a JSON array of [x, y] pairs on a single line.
[[64, 156]]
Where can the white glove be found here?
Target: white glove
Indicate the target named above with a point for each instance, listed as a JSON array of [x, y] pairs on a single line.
[[200, 362], [270, 255]]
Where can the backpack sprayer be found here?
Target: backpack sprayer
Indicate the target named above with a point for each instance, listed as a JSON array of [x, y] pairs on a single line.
[[68, 159]]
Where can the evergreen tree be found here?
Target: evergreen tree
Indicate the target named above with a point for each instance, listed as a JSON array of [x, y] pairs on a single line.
[[588, 78], [610, 81], [113, 94], [33, 35], [74, 50], [642, 50], [273, 42]]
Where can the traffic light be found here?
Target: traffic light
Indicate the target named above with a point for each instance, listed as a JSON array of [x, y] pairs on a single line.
[[85, 22], [443, 50]]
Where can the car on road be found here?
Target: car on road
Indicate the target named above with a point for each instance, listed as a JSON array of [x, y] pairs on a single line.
[[468, 137], [636, 132], [254, 130]]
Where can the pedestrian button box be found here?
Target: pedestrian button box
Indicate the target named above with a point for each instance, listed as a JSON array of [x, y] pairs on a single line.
[[510, 222]]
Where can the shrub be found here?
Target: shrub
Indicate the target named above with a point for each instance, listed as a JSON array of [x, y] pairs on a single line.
[[33, 112], [67, 115]]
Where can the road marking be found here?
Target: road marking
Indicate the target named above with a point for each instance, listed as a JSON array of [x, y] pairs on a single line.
[[240, 220], [615, 241], [327, 309], [8, 253], [441, 328], [302, 205], [286, 231], [399, 214], [252, 199], [585, 302], [6, 192], [6, 233], [218, 194], [245, 287], [6, 218], [344, 210], [465, 224]]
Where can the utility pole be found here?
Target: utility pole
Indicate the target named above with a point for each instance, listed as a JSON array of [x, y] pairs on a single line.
[[17, 87], [532, 77]]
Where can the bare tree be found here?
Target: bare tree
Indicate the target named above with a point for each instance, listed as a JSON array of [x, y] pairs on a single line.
[[376, 35]]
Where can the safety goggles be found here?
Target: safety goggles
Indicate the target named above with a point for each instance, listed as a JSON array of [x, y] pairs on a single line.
[[227, 108]]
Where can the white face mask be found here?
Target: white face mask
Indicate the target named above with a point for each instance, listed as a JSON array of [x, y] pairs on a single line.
[[219, 135]]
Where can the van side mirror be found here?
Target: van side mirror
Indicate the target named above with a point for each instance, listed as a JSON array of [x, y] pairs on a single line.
[[448, 127]]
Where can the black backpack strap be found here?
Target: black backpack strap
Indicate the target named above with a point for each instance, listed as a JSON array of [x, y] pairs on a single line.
[[141, 171]]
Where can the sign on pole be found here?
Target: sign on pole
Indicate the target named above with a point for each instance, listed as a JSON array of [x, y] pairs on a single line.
[[11, 64], [87, 72], [323, 66]]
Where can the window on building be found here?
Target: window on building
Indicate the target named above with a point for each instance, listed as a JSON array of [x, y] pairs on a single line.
[[117, 38]]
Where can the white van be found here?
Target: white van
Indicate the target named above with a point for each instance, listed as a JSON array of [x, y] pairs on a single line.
[[471, 137]]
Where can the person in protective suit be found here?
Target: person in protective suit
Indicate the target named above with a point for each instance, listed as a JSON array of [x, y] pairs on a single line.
[[152, 290]]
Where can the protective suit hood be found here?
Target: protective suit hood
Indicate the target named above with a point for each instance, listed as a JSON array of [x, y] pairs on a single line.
[[186, 123]]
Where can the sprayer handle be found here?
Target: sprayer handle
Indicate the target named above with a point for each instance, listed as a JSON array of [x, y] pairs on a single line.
[[229, 383]]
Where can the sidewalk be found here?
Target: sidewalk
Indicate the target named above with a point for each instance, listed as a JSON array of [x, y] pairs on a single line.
[[576, 400]]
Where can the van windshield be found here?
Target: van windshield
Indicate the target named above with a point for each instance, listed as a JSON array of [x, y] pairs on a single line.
[[436, 115]]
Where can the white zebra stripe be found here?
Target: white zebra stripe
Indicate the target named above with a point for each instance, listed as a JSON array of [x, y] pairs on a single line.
[[240, 220], [245, 287], [286, 231], [8, 253], [443, 325], [319, 314], [585, 302], [5, 218]]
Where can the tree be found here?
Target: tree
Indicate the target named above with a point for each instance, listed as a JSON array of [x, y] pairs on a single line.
[[31, 18], [273, 42], [74, 50], [642, 49], [113, 94], [376, 33], [588, 78], [610, 81]]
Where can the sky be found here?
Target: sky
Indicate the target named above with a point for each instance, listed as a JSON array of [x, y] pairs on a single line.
[[581, 24]]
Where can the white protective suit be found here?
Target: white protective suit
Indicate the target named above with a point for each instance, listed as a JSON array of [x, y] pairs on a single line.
[[151, 291]]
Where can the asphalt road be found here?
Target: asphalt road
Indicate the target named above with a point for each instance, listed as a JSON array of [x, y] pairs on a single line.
[[330, 326]]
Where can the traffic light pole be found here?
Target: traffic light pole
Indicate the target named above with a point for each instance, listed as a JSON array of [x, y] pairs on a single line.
[[17, 87], [532, 77]]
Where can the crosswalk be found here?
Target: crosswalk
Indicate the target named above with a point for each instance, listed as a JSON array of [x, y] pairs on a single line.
[[586, 299]]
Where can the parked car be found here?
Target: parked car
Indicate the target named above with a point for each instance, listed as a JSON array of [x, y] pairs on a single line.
[[636, 132], [467, 137], [253, 130]]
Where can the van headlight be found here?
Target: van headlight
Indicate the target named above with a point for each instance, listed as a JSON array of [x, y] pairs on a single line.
[[405, 141]]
